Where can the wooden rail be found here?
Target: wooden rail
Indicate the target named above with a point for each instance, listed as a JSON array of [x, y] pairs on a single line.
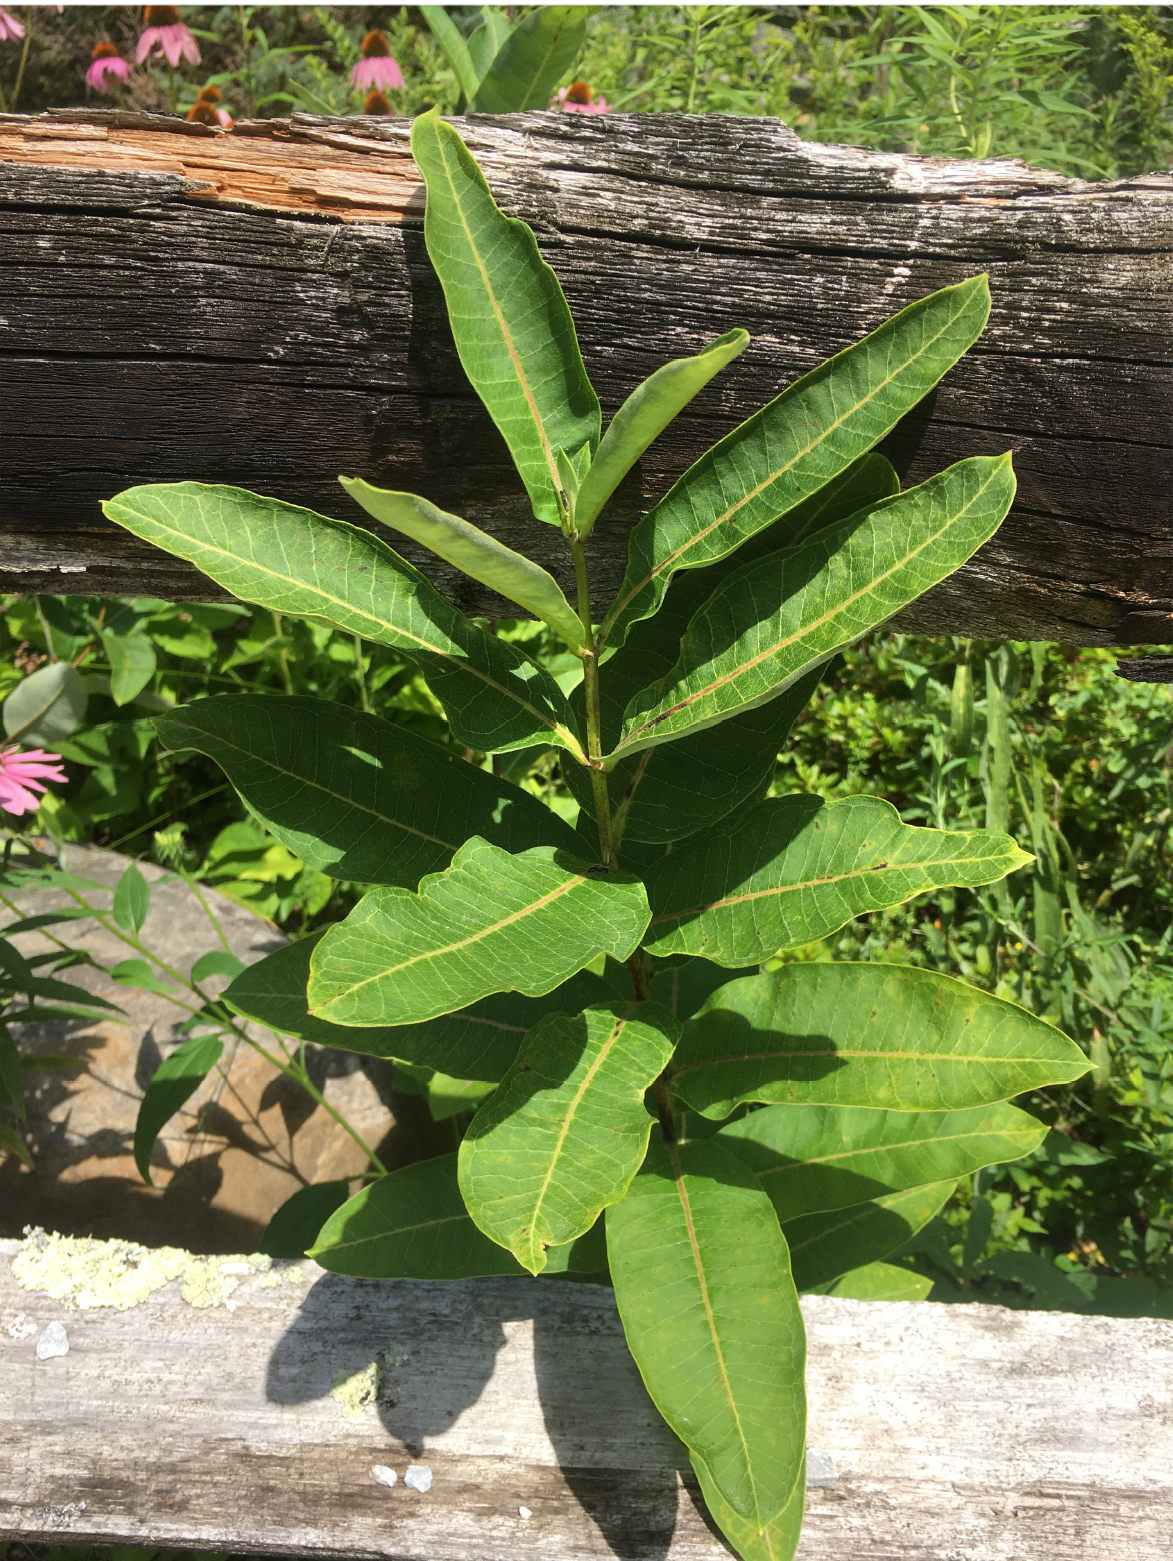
[[257, 308], [967, 1432]]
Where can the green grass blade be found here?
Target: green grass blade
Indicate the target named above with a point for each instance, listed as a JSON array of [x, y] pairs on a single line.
[[479, 555], [794, 869], [801, 440], [890, 1037], [490, 923], [511, 323], [810, 1158], [567, 1129], [294, 561], [703, 1285], [356, 797], [769, 623], [644, 416], [533, 60], [824, 1246]]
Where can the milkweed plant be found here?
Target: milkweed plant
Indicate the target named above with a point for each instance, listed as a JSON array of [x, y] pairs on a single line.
[[665, 1107]]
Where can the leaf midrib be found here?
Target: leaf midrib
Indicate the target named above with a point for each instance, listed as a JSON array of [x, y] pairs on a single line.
[[370, 617], [815, 883], [828, 429], [811, 628], [927, 1058]]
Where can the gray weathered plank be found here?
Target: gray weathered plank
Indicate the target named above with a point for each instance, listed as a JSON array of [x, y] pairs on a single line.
[[257, 308], [966, 1433]]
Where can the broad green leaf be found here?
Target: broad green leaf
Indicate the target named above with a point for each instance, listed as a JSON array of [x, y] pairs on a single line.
[[63, 992], [132, 664], [823, 1246], [511, 323], [682, 987], [138, 973], [644, 416], [890, 1037], [217, 963], [776, 1541], [702, 1281], [451, 40], [810, 1158], [490, 923], [567, 1128], [486, 42], [671, 792], [293, 561], [772, 621], [177, 1077], [297, 1223], [479, 1042], [880, 1282], [353, 796], [533, 60], [11, 1072], [46, 706], [794, 869], [132, 900], [410, 1224], [799, 441], [12, 1143], [475, 552]]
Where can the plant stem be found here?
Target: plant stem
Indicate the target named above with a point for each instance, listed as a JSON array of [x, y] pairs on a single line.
[[24, 53], [362, 679], [590, 678]]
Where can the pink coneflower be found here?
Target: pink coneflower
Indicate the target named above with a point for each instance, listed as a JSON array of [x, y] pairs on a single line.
[[204, 110], [22, 775], [376, 69], [167, 33], [578, 98], [9, 26], [106, 62]]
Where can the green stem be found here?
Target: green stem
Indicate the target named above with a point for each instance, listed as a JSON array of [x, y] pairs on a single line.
[[24, 53], [590, 678], [361, 672], [282, 654]]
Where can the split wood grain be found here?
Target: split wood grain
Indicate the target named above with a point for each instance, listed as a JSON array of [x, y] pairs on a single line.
[[971, 1433], [257, 308]]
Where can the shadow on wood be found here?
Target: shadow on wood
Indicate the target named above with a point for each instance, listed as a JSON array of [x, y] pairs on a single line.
[[257, 308]]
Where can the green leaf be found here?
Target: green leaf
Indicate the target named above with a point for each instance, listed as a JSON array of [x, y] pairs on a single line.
[[46, 706], [644, 416], [683, 986], [354, 796], [298, 1222], [511, 323], [809, 1158], [45, 919], [177, 1077], [702, 1281], [794, 869], [11, 1073], [889, 1037], [768, 623], [12, 1143], [823, 1246], [292, 561], [132, 900], [776, 1541], [486, 42], [881, 1282], [410, 1224], [533, 60], [795, 444], [218, 963], [567, 1128], [490, 923], [452, 42], [132, 664], [479, 1042], [473, 551]]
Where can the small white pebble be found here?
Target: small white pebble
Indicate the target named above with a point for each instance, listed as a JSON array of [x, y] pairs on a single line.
[[382, 1475], [524, 1512], [53, 1341], [820, 1469], [419, 1478]]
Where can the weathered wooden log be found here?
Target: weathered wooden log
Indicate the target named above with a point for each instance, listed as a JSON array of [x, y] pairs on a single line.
[[257, 308], [241, 1422]]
